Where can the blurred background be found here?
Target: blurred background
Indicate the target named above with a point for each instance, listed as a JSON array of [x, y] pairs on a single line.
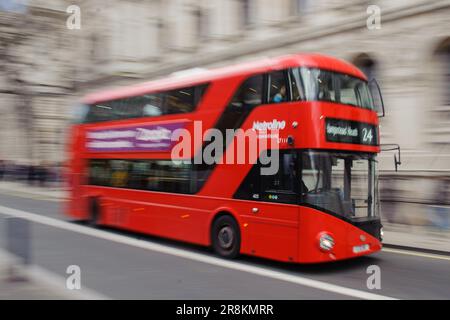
[[48, 61]]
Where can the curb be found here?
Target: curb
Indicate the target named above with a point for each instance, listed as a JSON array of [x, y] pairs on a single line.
[[26, 194], [416, 249]]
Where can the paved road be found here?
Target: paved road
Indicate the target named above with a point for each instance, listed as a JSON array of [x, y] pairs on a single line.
[[125, 265]]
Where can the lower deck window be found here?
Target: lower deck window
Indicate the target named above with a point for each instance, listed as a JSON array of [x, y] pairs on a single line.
[[154, 175]]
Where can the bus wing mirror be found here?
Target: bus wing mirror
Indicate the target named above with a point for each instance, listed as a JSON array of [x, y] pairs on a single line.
[[377, 97], [396, 162], [397, 157]]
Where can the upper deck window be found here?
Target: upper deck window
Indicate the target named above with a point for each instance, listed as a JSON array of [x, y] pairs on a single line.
[[324, 85], [181, 100], [249, 94], [278, 91]]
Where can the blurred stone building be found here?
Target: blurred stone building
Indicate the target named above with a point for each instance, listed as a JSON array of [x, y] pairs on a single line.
[[123, 42], [36, 80]]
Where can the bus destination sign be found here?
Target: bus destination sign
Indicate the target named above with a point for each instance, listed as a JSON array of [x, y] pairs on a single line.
[[346, 131]]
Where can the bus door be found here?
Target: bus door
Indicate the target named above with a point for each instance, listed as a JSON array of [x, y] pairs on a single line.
[[273, 217]]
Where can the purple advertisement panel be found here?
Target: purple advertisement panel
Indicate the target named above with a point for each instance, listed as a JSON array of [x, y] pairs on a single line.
[[155, 138]]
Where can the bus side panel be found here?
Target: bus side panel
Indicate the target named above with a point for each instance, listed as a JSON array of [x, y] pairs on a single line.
[[167, 215], [181, 217], [272, 231]]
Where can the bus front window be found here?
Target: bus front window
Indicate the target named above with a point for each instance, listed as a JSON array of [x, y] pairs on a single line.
[[324, 85], [343, 183]]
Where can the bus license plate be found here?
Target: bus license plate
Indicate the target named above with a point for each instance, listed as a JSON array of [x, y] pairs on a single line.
[[361, 248]]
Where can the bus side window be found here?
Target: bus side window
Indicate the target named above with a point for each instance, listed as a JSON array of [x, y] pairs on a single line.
[[179, 101], [327, 87], [99, 172], [176, 101], [249, 94], [278, 89], [152, 105], [297, 89], [153, 175]]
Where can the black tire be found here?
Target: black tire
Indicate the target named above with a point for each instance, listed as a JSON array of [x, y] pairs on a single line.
[[226, 237], [94, 212]]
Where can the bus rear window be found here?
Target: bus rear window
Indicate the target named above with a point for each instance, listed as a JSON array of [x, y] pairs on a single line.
[[176, 101]]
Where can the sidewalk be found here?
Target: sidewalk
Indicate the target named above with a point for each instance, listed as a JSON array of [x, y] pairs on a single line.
[[37, 284], [405, 235], [419, 237], [29, 191]]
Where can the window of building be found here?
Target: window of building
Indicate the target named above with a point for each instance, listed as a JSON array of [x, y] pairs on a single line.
[[446, 58], [439, 96], [299, 6], [94, 47], [246, 13], [367, 65], [201, 15]]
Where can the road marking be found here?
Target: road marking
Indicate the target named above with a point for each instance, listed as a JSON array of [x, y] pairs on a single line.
[[417, 254], [53, 281], [148, 245]]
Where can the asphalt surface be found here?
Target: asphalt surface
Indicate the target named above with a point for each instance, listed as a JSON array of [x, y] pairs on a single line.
[[123, 271]]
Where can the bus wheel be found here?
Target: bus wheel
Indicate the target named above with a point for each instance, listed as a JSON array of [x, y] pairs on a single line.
[[94, 212], [225, 237]]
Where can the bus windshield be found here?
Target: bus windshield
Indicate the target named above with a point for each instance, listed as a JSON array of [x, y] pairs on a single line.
[[343, 183], [324, 85]]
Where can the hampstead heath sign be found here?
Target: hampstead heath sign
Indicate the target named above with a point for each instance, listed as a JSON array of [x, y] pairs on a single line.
[[156, 138], [345, 131]]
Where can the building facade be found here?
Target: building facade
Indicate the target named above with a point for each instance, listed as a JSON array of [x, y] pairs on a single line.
[[36, 81], [404, 44]]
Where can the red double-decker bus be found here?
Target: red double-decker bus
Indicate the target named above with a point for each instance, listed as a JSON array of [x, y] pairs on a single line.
[[320, 205]]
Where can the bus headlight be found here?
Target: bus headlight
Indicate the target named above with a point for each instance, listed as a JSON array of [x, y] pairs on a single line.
[[326, 242]]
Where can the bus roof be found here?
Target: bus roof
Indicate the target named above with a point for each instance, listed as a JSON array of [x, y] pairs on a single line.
[[186, 78]]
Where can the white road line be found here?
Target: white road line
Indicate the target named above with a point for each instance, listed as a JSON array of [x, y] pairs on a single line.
[[148, 245], [417, 254], [58, 284], [53, 281]]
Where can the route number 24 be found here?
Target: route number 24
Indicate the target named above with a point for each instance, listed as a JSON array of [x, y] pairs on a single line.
[[367, 135]]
